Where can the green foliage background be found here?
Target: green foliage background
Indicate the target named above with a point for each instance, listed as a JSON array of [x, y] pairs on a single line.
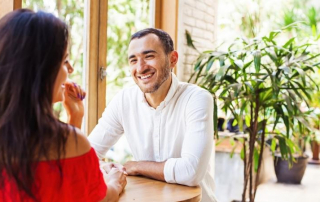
[[124, 18]]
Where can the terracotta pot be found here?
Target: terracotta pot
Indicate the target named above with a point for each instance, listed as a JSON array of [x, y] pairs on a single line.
[[315, 150], [293, 175]]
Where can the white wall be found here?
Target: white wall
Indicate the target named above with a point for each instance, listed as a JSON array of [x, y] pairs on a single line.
[[199, 18]]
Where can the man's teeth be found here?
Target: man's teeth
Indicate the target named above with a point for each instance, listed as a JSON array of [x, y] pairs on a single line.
[[147, 76]]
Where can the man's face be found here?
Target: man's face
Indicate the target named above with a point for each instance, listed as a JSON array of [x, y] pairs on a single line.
[[149, 65]]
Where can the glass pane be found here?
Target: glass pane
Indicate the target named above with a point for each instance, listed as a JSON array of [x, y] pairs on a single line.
[[125, 17]]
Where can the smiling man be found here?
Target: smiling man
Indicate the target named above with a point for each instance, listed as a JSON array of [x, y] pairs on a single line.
[[168, 124]]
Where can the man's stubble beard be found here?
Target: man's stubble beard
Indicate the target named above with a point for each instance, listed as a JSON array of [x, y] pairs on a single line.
[[165, 73]]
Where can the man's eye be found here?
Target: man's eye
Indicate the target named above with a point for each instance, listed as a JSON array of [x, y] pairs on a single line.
[[132, 61], [149, 56]]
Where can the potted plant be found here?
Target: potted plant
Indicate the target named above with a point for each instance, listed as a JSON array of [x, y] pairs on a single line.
[[315, 139], [293, 172], [258, 80]]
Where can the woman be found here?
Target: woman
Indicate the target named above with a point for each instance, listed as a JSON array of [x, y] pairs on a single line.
[[41, 158]]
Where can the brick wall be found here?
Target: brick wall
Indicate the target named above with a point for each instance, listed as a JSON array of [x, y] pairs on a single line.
[[198, 17]]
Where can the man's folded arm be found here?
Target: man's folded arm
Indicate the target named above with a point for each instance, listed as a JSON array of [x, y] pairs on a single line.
[[191, 167], [197, 144]]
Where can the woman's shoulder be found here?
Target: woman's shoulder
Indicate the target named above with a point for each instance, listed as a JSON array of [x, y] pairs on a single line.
[[77, 143]]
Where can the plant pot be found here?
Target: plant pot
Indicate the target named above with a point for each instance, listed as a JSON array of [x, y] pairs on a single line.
[[293, 175], [315, 147]]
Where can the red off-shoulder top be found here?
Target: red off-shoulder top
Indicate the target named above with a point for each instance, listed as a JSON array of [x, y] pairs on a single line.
[[82, 181]]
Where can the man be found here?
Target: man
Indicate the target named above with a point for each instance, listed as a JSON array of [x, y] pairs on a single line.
[[168, 124]]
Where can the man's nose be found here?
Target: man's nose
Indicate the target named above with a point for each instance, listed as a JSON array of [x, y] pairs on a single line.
[[141, 66]]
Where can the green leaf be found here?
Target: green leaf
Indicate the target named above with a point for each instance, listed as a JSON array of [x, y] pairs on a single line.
[[222, 61], [283, 148], [257, 60], [294, 24], [242, 153], [273, 145], [274, 34], [256, 159], [221, 72], [286, 123], [235, 122], [197, 65], [210, 62], [189, 40], [311, 58], [230, 79], [232, 151], [247, 83], [199, 71], [301, 72], [247, 120], [247, 64], [304, 90], [289, 104], [288, 43], [215, 117]]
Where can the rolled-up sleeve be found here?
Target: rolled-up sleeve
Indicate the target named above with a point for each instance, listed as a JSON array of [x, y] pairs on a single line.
[[197, 144], [109, 128]]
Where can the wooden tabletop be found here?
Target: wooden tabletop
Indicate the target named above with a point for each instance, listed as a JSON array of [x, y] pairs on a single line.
[[141, 189]]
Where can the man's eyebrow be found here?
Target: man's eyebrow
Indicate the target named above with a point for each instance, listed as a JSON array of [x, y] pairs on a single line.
[[148, 51], [144, 53], [131, 56]]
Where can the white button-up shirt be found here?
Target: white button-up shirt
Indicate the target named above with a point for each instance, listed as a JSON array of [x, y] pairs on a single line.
[[179, 131]]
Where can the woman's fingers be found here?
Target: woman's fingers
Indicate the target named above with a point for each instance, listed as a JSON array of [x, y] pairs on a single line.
[[74, 90]]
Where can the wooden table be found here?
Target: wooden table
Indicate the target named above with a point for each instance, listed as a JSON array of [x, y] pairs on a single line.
[[141, 189]]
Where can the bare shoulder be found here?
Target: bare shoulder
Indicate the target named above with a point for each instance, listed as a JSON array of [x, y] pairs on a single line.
[[77, 143]]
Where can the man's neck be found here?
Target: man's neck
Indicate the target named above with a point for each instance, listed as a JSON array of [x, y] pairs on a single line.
[[154, 99]]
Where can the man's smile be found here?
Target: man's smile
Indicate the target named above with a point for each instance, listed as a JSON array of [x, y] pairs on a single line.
[[146, 77]]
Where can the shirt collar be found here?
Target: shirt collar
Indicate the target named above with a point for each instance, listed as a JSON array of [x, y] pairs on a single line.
[[171, 92], [173, 88]]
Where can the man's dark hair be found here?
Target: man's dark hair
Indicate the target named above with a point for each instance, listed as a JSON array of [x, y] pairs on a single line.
[[164, 37]]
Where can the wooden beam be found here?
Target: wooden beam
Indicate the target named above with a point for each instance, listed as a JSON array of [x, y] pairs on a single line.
[[17, 4], [96, 53], [102, 55], [166, 18], [7, 6]]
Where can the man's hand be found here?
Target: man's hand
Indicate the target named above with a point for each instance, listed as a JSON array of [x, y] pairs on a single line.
[[131, 167], [73, 104], [106, 166]]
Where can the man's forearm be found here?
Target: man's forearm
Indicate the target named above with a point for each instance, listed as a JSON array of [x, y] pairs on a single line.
[[149, 169]]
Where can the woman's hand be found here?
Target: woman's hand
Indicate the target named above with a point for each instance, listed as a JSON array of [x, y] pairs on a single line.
[[73, 103], [107, 166], [116, 180]]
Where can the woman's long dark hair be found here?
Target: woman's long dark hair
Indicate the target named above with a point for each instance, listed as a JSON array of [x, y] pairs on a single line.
[[32, 47]]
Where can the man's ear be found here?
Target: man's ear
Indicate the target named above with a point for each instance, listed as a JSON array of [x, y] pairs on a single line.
[[173, 59]]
